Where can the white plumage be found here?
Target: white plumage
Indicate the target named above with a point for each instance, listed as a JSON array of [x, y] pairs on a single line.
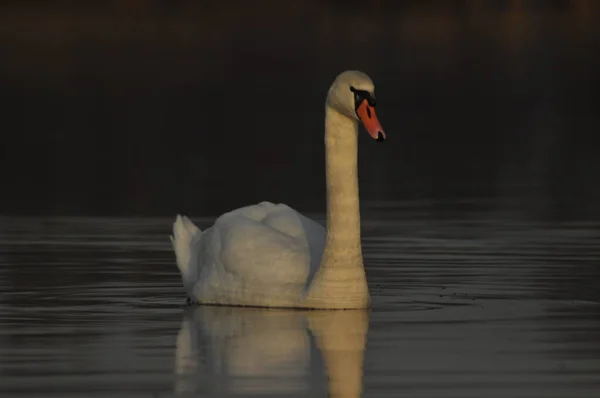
[[260, 255], [269, 255]]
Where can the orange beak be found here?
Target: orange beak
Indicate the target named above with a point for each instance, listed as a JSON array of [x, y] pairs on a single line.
[[368, 117]]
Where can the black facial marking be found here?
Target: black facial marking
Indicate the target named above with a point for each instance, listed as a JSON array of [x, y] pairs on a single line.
[[360, 96]]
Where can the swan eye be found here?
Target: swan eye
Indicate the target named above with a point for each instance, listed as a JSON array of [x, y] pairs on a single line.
[[361, 95]]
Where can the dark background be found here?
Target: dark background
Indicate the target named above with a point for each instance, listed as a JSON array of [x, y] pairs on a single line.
[[152, 107]]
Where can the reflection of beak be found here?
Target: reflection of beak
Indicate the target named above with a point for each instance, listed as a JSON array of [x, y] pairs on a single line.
[[367, 115]]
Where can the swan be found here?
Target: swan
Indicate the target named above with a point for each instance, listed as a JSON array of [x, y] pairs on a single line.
[[270, 255]]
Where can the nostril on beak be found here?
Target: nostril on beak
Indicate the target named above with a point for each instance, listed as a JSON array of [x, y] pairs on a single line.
[[380, 137]]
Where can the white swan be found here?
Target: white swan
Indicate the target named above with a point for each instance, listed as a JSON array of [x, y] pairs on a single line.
[[269, 255]]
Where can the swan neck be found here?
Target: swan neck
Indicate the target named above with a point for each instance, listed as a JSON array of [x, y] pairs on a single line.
[[340, 281], [341, 153]]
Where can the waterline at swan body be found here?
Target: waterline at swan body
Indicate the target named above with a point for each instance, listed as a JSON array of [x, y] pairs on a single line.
[[269, 255]]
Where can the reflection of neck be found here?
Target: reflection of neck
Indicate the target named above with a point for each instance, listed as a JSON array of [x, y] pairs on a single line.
[[341, 338], [341, 281]]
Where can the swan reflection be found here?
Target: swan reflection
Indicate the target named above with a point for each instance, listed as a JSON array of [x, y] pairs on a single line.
[[227, 350]]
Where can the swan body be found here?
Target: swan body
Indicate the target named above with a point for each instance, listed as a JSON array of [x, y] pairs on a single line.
[[269, 255], [260, 255]]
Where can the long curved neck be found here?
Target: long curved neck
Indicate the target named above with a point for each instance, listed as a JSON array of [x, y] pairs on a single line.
[[340, 281], [341, 159]]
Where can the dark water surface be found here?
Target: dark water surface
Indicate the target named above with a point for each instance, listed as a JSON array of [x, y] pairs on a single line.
[[462, 307]]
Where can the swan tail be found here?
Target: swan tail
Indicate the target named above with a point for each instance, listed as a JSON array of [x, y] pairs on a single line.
[[186, 244]]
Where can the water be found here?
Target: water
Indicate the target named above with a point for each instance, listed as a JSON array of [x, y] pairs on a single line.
[[470, 306]]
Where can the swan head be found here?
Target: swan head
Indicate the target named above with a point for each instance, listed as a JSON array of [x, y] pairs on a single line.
[[352, 94]]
